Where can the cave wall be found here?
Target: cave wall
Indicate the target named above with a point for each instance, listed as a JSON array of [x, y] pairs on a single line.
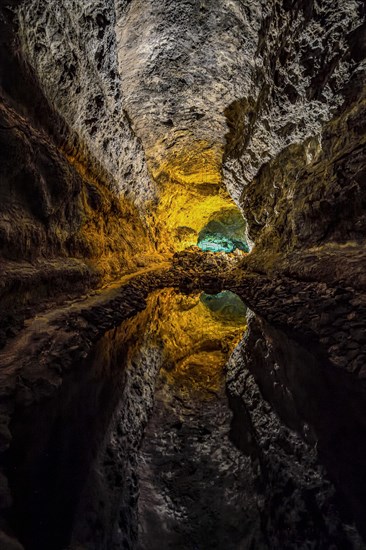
[[295, 157], [74, 185], [72, 468], [296, 146], [181, 64], [276, 90], [73, 51]]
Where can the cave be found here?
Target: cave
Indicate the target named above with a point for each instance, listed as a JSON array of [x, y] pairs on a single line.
[[224, 232], [183, 275]]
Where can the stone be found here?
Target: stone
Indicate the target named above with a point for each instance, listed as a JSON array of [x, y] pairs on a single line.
[[130, 132]]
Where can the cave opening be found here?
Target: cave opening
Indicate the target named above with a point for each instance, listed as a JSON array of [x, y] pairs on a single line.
[[224, 232]]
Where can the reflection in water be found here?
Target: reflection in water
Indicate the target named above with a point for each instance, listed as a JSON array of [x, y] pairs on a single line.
[[326, 405], [196, 340], [73, 457], [98, 465], [195, 490], [54, 444], [226, 306]]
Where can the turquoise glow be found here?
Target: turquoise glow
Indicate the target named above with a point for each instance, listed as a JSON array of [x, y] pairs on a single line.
[[224, 233], [216, 243], [225, 305]]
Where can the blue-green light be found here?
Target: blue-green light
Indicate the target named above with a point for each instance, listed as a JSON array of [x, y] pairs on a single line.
[[224, 233], [215, 243], [225, 305]]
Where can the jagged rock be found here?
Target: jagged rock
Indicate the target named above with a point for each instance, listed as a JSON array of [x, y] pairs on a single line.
[[127, 127]]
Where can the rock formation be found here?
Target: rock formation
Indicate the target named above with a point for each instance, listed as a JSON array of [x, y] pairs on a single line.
[[135, 413]]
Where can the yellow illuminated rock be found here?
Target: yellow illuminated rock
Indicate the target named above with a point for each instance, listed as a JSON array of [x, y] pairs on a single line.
[[189, 163], [190, 194], [183, 212], [111, 226], [196, 341]]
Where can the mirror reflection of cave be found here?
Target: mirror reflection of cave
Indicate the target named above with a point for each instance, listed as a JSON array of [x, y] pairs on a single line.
[[225, 305], [182, 275]]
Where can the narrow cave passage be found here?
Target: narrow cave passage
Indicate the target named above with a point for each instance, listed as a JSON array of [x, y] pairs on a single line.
[[182, 275], [224, 232]]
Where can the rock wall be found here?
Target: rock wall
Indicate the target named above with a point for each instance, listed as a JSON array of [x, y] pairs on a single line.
[[74, 186], [267, 88], [106, 517], [296, 147], [295, 157], [274, 90], [181, 64], [73, 51]]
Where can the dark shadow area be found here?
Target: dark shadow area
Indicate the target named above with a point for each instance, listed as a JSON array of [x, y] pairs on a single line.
[[326, 405], [55, 444]]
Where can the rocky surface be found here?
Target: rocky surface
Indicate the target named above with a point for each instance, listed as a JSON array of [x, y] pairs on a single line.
[[327, 314], [70, 211], [126, 126], [299, 141], [107, 512], [200, 55], [112, 379], [294, 75], [78, 72], [326, 319], [270, 107]]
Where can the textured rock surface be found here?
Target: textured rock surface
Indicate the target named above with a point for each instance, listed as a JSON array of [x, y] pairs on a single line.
[[107, 512], [271, 87], [72, 190], [66, 366], [264, 101], [299, 145], [72, 481], [181, 65], [78, 72]]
